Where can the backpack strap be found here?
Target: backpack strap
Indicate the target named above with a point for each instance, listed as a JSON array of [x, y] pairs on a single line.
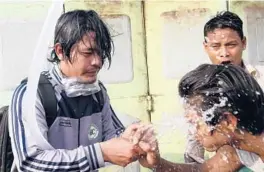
[[100, 95], [47, 97]]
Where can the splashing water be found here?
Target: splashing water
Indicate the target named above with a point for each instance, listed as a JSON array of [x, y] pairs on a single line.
[[178, 123], [235, 112], [224, 157], [208, 115], [172, 123]]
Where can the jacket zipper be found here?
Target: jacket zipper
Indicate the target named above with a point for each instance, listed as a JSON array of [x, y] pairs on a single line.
[[79, 132]]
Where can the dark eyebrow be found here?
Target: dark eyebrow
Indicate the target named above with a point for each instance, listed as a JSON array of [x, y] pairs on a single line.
[[232, 42], [214, 43], [88, 49]]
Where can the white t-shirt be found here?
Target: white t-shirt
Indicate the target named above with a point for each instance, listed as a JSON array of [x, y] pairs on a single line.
[[251, 160], [257, 72]]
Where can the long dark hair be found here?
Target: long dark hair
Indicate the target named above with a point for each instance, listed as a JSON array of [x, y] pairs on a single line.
[[73, 25]]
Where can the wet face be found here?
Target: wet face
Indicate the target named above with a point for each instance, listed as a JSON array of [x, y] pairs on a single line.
[[211, 138], [85, 61], [224, 45]]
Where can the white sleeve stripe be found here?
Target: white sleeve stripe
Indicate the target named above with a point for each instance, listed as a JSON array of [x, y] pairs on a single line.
[[15, 130], [94, 157], [91, 157]]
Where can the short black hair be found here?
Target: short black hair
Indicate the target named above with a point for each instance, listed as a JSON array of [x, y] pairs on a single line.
[[73, 25], [225, 19], [244, 97]]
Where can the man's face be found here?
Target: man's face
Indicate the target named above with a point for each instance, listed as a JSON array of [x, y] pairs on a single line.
[[224, 45], [85, 61], [210, 138]]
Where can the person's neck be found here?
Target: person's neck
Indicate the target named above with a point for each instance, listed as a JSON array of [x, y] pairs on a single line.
[[64, 70], [242, 64], [252, 143]]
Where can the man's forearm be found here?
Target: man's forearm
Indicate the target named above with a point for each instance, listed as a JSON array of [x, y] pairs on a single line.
[[225, 160], [167, 166]]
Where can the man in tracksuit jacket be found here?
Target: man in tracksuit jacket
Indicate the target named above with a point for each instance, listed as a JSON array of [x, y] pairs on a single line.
[[83, 135]]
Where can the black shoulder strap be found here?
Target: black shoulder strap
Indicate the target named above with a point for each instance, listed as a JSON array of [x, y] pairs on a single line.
[[100, 95], [48, 99]]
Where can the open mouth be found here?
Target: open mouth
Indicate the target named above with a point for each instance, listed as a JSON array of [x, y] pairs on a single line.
[[226, 62]]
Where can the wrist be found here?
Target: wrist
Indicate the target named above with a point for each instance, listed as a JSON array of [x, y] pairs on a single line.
[[158, 166], [104, 149]]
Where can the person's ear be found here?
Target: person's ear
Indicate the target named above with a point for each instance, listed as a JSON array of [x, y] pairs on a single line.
[[59, 51], [205, 45], [231, 121], [244, 43]]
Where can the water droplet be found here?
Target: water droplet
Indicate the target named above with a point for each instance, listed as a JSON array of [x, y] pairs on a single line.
[[242, 132], [224, 157], [235, 112]]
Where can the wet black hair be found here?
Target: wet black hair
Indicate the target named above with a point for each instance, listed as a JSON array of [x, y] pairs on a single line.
[[73, 25], [225, 19], [244, 97]]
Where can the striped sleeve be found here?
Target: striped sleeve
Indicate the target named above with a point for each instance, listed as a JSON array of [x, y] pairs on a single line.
[[119, 127], [29, 151]]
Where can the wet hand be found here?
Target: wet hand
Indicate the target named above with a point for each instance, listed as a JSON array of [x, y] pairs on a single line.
[[119, 151]]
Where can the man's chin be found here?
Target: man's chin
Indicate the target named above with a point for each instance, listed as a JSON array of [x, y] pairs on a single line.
[[88, 80]]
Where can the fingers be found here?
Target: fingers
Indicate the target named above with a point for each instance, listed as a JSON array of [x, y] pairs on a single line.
[[149, 146], [138, 131], [145, 147], [144, 133], [130, 131], [142, 136], [139, 150], [134, 126], [149, 135]]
